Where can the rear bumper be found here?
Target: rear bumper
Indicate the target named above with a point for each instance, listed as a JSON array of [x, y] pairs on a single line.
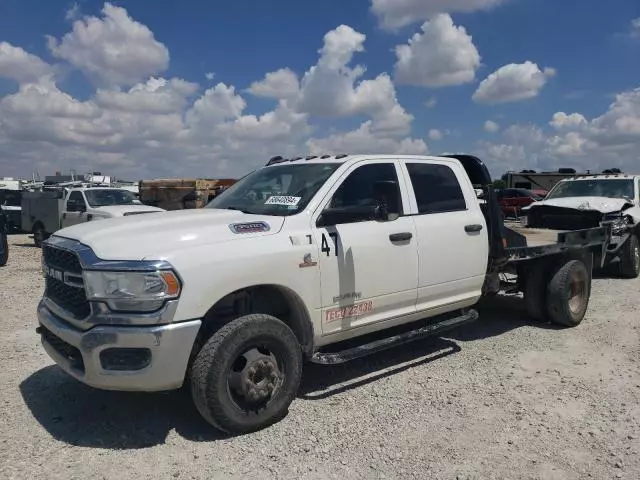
[[132, 358]]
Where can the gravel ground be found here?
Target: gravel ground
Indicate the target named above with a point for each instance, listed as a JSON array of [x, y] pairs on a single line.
[[505, 398]]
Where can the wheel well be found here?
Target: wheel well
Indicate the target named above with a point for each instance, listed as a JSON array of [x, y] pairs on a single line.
[[274, 300]]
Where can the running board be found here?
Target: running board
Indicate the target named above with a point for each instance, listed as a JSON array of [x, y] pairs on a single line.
[[332, 358]]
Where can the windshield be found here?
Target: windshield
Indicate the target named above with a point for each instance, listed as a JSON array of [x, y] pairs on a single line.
[[104, 198], [280, 190], [593, 188]]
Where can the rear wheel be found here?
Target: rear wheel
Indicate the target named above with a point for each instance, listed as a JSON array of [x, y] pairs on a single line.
[[568, 294], [39, 235], [247, 374], [629, 266]]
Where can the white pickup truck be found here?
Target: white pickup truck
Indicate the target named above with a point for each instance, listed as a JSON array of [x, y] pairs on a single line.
[[321, 259], [44, 213], [589, 201]]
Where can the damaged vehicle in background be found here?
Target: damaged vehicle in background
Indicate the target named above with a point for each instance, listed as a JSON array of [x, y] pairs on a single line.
[[585, 202]]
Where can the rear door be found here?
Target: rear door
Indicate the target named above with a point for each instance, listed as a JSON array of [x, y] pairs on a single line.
[[453, 247], [368, 268]]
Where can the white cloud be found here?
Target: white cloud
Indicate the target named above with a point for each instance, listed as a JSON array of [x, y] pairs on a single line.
[[609, 140], [113, 50], [280, 84], [435, 134], [443, 54], [21, 66], [394, 14], [635, 28], [216, 105], [513, 82], [209, 76], [561, 120], [157, 95], [364, 140], [137, 124], [491, 126], [432, 102], [73, 13]]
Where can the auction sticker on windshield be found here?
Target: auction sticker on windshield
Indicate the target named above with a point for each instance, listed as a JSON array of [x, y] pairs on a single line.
[[283, 200]]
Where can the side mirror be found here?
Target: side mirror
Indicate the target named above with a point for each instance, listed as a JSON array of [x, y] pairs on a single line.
[[339, 215]]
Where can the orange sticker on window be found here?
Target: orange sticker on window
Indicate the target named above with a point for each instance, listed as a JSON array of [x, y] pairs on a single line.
[[355, 310]]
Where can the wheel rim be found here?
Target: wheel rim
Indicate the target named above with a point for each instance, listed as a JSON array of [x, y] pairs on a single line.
[[577, 292], [254, 379], [636, 257], [38, 235]]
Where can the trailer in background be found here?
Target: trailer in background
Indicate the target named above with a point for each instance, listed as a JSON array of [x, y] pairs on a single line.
[[181, 193], [540, 181]]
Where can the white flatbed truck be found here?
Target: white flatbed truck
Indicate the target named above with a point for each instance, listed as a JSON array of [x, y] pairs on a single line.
[[307, 260]]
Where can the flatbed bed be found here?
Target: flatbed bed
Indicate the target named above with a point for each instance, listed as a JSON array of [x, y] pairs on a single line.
[[525, 243]]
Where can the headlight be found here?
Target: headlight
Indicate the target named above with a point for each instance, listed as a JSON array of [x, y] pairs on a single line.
[[619, 224], [131, 291]]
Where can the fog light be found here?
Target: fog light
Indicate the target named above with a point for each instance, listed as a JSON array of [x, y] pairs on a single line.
[[125, 359]]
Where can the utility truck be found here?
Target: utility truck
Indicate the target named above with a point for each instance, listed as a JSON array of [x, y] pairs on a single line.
[[320, 259], [45, 212]]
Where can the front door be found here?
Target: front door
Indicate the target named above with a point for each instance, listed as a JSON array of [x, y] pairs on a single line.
[[75, 210], [368, 264]]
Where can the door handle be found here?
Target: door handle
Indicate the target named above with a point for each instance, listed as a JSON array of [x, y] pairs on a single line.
[[400, 237], [472, 228]]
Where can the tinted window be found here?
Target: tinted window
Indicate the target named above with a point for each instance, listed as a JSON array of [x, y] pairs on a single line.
[[75, 202], [369, 186], [436, 187], [593, 188]]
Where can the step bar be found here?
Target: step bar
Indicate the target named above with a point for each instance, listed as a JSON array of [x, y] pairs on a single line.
[[333, 358]]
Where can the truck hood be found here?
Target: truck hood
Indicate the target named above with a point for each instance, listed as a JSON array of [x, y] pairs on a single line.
[[600, 204], [139, 237], [121, 210]]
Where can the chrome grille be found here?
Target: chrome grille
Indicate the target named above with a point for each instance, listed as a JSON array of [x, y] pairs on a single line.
[[61, 259], [72, 298]]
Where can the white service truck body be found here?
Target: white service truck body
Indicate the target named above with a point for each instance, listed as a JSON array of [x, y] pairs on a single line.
[[44, 213]]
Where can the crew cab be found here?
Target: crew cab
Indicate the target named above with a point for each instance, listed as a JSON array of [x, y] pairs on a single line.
[[583, 202], [317, 259], [43, 213]]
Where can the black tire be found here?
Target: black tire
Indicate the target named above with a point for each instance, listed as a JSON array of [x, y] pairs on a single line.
[[39, 235], [568, 294], [629, 265], [255, 346], [535, 291], [4, 255]]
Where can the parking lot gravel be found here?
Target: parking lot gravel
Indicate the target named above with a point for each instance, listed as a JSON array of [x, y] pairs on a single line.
[[505, 398]]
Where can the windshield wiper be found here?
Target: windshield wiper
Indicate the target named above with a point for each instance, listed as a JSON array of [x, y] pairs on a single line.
[[239, 210]]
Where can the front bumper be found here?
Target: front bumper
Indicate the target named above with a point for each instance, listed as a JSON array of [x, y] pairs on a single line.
[[82, 353]]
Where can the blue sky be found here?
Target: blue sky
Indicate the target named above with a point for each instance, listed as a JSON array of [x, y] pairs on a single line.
[[589, 44]]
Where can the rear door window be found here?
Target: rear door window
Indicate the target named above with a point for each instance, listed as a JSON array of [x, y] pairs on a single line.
[[436, 188]]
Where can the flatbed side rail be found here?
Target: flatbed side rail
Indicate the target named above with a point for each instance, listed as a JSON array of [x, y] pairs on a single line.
[[567, 241]]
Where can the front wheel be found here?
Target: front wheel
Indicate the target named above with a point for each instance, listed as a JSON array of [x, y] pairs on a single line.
[[247, 374]]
